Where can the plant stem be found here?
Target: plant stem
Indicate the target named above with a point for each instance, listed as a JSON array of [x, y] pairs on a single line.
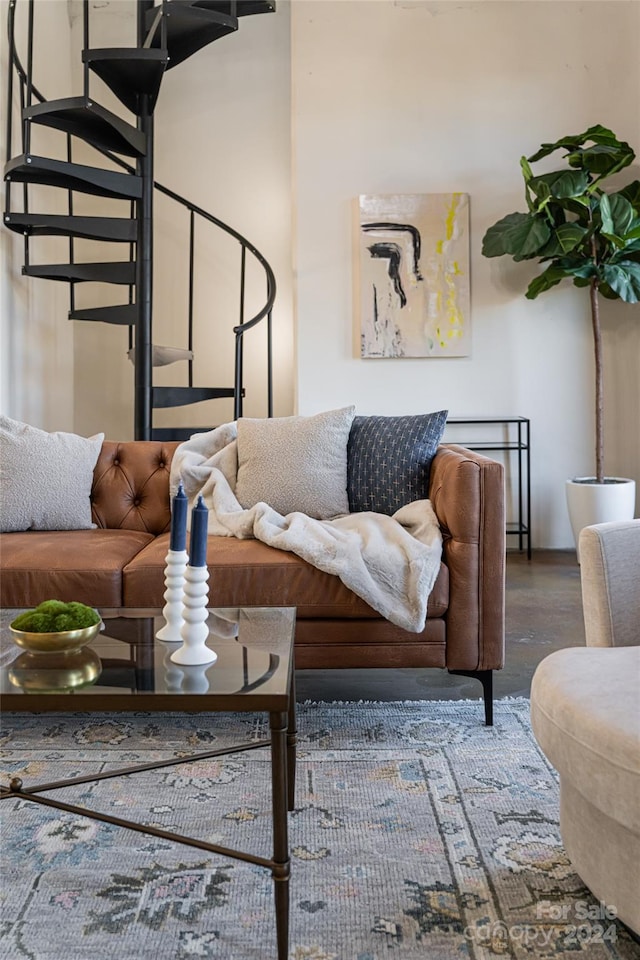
[[597, 343]]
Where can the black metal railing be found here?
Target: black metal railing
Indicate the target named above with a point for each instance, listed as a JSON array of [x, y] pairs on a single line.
[[28, 92]]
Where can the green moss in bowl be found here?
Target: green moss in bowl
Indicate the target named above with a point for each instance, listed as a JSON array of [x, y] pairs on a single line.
[[54, 616], [56, 626]]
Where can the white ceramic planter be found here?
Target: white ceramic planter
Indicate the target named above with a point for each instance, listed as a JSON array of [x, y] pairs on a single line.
[[590, 502]]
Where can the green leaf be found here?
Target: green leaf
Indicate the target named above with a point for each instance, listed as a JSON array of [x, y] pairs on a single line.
[[596, 134], [632, 193], [624, 279], [569, 235], [562, 184], [605, 291], [621, 212], [617, 217], [550, 278], [634, 232], [633, 246], [555, 272], [518, 234], [581, 282], [614, 240], [577, 266], [631, 251], [551, 249], [602, 159], [548, 148], [540, 188], [580, 206], [605, 214], [527, 172]]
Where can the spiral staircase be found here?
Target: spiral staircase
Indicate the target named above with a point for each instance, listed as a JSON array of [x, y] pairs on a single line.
[[168, 33]]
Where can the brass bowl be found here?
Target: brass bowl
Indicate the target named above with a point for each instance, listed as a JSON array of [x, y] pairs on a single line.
[[55, 672], [62, 642]]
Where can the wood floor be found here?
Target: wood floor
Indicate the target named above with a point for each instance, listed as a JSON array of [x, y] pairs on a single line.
[[543, 613]]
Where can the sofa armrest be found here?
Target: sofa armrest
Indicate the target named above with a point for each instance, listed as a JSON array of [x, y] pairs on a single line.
[[466, 490]]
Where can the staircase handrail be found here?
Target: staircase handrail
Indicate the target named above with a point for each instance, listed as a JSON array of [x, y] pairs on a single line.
[[271, 280], [239, 329]]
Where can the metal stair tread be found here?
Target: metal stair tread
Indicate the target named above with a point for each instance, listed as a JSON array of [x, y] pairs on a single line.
[[129, 72], [162, 356], [124, 314], [28, 168], [182, 396], [83, 117], [117, 229], [244, 8], [190, 28], [123, 272], [177, 433]]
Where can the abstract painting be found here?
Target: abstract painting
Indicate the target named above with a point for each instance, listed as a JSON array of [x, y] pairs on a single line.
[[414, 275]]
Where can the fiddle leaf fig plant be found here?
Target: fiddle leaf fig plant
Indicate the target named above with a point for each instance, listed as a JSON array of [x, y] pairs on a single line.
[[579, 231]]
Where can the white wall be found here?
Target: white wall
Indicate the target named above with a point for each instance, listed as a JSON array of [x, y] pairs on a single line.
[[36, 369], [223, 141], [421, 97]]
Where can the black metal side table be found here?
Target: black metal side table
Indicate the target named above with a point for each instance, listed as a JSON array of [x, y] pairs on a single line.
[[129, 670], [518, 429]]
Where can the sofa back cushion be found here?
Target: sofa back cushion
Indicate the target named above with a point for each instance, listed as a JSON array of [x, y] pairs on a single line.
[[131, 486], [45, 478], [389, 460], [295, 464]]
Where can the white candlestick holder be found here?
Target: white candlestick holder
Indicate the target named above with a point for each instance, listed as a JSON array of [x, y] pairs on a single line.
[[195, 632], [176, 565]]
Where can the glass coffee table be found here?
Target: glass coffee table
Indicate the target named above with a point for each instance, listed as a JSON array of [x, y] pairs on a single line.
[[125, 668]]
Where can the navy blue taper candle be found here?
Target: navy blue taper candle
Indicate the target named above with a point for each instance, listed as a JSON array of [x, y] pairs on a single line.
[[178, 539], [199, 533]]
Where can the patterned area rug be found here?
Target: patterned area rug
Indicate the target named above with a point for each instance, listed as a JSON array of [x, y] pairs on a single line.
[[418, 832]]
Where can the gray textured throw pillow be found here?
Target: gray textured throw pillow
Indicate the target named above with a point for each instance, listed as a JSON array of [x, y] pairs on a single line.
[[45, 478], [389, 460], [295, 464]]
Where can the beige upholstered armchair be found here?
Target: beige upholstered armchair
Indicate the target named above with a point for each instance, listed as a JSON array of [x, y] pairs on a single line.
[[610, 573], [585, 712]]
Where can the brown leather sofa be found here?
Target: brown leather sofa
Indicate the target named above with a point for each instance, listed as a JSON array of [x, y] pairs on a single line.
[[121, 564]]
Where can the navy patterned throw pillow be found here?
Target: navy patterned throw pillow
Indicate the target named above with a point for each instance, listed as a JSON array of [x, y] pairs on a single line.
[[389, 460]]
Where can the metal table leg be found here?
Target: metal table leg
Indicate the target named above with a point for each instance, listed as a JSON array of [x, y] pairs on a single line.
[[292, 740], [281, 864]]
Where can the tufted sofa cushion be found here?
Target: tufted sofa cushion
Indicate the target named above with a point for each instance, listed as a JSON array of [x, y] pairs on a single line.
[[130, 486]]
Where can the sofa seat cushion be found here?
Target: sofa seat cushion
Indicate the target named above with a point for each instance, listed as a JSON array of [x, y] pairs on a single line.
[[83, 565], [584, 713], [244, 572]]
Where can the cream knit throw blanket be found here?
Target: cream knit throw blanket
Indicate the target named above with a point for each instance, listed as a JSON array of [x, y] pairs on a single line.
[[390, 562]]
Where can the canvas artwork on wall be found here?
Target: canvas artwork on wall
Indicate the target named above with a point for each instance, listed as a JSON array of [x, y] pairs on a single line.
[[414, 275]]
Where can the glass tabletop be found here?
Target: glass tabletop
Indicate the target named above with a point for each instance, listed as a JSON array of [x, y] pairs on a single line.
[[127, 668]]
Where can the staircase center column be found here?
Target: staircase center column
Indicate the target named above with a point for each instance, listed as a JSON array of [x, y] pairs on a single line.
[[144, 268], [144, 287]]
